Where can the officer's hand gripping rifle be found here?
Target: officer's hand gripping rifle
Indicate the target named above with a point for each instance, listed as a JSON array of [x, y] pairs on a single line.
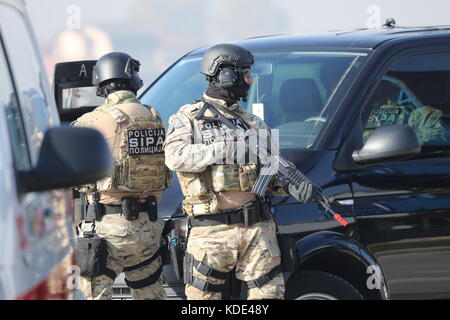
[[284, 168], [288, 171]]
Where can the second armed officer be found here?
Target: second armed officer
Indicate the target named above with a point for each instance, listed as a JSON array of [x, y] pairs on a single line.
[[122, 221]]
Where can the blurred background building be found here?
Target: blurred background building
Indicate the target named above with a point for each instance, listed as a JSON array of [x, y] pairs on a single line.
[[157, 32]]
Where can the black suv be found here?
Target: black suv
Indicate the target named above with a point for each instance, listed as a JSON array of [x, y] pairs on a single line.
[[343, 104]]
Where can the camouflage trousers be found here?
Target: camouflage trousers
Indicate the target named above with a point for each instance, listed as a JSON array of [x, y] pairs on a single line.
[[253, 251], [129, 244]]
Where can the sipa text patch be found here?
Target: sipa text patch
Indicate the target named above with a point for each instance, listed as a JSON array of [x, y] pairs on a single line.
[[146, 141]]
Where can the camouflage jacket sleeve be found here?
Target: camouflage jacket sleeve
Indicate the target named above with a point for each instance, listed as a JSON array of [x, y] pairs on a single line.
[[181, 150]]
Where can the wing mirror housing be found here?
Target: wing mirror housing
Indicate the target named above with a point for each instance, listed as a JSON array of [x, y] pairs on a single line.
[[68, 157], [388, 143]]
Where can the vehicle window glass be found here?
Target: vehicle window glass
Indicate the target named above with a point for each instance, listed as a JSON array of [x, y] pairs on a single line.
[[179, 86], [28, 77], [291, 91], [415, 92], [8, 101]]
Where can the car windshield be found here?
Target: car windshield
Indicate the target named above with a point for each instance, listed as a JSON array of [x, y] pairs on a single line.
[[295, 92]]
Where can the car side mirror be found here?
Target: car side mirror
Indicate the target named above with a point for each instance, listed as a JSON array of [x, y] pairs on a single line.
[[68, 157], [388, 143]]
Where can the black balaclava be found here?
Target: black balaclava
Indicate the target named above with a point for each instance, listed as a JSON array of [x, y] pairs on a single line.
[[220, 93], [230, 95]]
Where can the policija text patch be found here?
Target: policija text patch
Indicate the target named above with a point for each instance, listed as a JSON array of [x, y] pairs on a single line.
[[216, 131], [146, 141]]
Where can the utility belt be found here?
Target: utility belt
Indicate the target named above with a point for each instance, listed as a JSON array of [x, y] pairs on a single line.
[[130, 207], [252, 212]]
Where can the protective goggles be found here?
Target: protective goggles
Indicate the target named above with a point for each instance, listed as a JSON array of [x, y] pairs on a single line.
[[247, 75]]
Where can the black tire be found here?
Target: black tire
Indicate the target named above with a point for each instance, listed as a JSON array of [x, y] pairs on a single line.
[[318, 285]]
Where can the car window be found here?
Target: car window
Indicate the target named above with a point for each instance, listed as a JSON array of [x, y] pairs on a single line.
[[8, 101], [28, 77], [181, 85], [292, 90], [415, 92]]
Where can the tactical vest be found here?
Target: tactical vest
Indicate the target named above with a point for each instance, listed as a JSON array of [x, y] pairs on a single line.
[[200, 189], [139, 165]]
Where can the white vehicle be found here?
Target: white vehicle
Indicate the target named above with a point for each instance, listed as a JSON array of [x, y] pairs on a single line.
[[38, 160]]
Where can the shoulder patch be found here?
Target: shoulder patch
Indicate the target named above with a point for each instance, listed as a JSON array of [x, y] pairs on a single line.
[[177, 123]]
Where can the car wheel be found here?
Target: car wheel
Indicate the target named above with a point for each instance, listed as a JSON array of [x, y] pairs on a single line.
[[318, 285]]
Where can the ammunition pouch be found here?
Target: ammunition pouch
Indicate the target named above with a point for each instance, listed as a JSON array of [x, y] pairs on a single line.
[[289, 254], [130, 207], [91, 255], [152, 208], [201, 205]]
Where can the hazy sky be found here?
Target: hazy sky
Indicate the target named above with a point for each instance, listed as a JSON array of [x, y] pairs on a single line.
[[159, 31], [304, 15]]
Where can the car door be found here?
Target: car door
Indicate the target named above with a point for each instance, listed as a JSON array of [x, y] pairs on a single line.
[[403, 207], [40, 242]]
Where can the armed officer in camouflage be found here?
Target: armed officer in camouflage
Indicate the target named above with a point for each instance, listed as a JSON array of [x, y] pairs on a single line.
[[230, 228], [122, 209]]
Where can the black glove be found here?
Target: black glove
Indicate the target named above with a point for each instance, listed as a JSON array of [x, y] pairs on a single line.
[[303, 192]]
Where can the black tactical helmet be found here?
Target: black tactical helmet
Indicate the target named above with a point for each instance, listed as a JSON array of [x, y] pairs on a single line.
[[117, 65], [225, 54]]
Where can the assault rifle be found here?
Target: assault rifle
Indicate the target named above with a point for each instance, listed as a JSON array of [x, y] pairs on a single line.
[[283, 167]]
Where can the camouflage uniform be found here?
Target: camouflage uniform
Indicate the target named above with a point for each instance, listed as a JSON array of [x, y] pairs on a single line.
[[194, 149], [129, 243], [427, 123], [425, 120]]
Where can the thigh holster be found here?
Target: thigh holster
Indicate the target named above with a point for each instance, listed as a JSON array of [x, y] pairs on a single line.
[[189, 264], [91, 255]]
